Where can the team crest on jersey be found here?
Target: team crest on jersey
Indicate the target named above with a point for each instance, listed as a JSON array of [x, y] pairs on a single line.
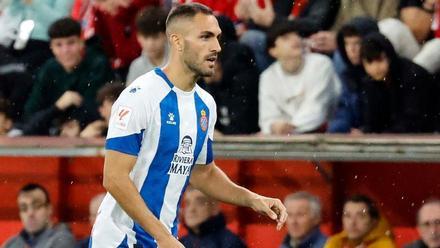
[[122, 117], [203, 120], [183, 159]]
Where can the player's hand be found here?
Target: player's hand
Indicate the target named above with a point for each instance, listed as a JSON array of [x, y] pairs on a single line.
[[169, 242], [271, 207], [68, 99]]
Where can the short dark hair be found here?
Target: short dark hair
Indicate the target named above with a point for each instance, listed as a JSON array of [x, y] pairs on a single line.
[[151, 21], [64, 27], [374, 46], [349, 31], [5, 108], [187, 11], [34, 186], [372, 209], [280, 30], [110, 92]]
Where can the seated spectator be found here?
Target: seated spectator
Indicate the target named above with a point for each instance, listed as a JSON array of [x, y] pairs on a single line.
[[423, 20], [35, 214], [235, 85], [325, 41], [304, 217], [114, 25], [150, 24], [106, 96], [16, 84], [298, 91], [206, 225], [398, 93], [261, 15], [348, 115], [428, 225], [412, 34], [363, 226], [6, 121], [67, 84], [31, 48], [94, 204]]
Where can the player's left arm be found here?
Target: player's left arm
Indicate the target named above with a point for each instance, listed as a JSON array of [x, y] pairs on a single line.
[[212, 181]]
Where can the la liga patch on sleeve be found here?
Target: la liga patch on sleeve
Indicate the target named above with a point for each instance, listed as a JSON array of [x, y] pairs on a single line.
[[122, 117]]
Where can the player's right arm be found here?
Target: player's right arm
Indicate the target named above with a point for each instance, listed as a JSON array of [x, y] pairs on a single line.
[[117, 182]]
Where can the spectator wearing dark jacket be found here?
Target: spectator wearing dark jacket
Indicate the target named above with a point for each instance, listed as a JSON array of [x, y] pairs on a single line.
[[428, 225], [235, 85], [348, 115], [304, 217], [206, 225], [67, 84], [398, 93]]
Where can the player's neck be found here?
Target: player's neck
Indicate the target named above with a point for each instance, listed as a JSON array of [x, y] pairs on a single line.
[[180, 76]]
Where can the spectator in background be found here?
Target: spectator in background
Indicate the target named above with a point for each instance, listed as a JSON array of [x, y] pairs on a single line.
[[399, 95], [263, 14], [428, 225], [299, 90], [6, 120], [114, 24], [363, 226], [423, 19], [94, 204], [150, 24], [223, 8], [32, 48], [348, 115], [206, 225], [325, 41], [35, 214], [67, 84], [304, 217], [106, 96], [82, 12], [234, 85]]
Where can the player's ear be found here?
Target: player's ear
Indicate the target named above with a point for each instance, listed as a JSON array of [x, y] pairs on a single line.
[[176, 41]]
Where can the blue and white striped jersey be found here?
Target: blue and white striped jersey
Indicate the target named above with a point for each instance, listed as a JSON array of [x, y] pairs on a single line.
[[169, 130]]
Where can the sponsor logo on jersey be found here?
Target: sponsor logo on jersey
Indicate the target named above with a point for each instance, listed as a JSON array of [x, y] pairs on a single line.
[[183, 159]]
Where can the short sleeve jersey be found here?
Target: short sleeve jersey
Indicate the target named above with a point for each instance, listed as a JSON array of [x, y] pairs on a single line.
[[169, 131]]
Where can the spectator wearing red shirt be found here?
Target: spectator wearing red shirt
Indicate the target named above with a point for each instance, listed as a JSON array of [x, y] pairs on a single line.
[[114, 23]]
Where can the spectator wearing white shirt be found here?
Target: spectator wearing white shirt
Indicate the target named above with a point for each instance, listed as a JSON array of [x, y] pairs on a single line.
[[298, 91]]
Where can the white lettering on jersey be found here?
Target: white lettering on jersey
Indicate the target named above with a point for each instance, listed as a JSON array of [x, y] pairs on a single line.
[[183, 159]]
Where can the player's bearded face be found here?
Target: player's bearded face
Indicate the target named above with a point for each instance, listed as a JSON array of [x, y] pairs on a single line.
[[198, 61], [201, 45]]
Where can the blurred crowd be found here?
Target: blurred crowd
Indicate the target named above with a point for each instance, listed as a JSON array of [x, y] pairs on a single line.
[[363, 223], [286, 67]]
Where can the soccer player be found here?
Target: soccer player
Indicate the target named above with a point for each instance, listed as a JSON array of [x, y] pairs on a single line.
[[160, 139]]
